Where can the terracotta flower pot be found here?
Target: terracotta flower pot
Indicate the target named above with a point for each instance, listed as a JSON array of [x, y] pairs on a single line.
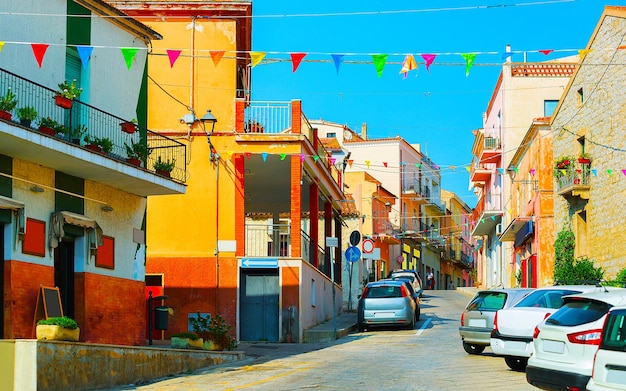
[[6, 115], [164, 173], [133, 161], [128, 127], [47, 130], [93, 147], [63, 102]]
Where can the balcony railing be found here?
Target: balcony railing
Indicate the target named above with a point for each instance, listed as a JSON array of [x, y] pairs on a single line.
[[268, 240], [267, 117], [83, 122], [574, 178]]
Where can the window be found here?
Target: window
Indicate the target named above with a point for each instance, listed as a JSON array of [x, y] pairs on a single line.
[[488, 301], [614, 334], [581, 96], [331, 135], [577, 311], [549, 106], [545, 298]]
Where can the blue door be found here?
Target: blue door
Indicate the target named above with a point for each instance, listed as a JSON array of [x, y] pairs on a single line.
[[259, 305]]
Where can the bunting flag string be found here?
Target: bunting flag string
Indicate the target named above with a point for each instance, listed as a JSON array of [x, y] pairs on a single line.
[[84, 52], [129, 55], [216, 56]]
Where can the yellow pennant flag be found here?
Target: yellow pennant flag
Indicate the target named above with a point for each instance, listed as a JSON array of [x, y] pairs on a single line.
[[408, 64], [582, 53], [1, 45], [367, 163], [256, 57]]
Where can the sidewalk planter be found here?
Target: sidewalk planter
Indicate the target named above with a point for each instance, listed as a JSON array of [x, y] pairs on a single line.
[[185, 341], [57, 333], [212, 346]]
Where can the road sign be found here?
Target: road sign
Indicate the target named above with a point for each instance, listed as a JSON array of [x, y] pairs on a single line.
[[373, 255], [355, 238], [353, 254], [262, 263], [368, 246]]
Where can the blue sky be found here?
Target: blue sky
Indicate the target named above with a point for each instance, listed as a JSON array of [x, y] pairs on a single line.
[[437, 109]]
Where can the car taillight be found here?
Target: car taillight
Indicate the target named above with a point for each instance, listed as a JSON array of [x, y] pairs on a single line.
[[405, 291], [463, 319], [495, 322], [536, 332], [587, 337], [364, 294]]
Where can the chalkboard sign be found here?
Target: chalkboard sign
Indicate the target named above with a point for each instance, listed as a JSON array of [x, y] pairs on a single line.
[[48, 303]]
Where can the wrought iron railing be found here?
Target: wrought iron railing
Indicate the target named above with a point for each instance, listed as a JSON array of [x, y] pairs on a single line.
[[267, 240], [82, 124], [578, 175], [267, 117]]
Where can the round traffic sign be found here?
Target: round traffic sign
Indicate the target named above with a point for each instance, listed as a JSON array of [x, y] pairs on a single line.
[[368, 246], [353, 254], [355, 238]]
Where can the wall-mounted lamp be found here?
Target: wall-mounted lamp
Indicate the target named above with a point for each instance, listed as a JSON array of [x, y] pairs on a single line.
[[36, 189], [106, 208], [209, 118]]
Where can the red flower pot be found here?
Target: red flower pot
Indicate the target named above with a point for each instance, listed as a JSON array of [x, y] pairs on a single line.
[[93, 147], [63, 102], [128, 127], [163, 173], [5, 115], [133, 161], [47, 130]]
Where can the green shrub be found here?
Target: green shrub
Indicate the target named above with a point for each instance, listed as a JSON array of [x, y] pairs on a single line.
[[188, 335], [567, 268], [64, 321]]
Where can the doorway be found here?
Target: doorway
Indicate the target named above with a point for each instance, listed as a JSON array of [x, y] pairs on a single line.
[[64, 275], [259, 314], [2, 279]]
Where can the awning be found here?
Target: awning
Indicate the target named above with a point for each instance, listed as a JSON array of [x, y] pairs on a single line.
[[18, 210], [508, 235], [59, 219]]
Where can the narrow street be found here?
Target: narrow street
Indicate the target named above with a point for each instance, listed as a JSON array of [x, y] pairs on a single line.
[[430, 357]]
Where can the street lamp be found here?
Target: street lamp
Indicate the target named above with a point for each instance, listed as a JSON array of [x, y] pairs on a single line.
[[209, 118]]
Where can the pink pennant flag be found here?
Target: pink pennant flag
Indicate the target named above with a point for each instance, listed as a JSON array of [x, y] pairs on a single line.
[[296, 58], [408, 64], [39, 50], [333, 160], [216, 56], [546, 51], [624, 172], [532, 171], [301, 158], [173, 56], [428, 59]]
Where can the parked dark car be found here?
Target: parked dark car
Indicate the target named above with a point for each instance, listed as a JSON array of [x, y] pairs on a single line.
[[413, 275], [387, 303]]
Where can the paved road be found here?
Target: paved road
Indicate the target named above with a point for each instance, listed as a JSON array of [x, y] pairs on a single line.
[[428, 358]]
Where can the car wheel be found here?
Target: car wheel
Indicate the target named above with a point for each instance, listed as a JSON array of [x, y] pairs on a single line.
[[418, 313], [516, 363], [411, 325], [360, 327], [473, 349]]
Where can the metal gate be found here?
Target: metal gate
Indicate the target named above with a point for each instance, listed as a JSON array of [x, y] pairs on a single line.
[[259, 305]]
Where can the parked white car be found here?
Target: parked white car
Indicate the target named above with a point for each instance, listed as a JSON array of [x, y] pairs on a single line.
[[566, 342], [609, 364], [512, 334]]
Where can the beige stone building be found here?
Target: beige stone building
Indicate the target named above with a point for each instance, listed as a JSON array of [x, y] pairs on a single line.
[[590, 120]]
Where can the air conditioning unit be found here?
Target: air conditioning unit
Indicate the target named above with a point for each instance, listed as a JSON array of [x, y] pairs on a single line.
[[499, 229]]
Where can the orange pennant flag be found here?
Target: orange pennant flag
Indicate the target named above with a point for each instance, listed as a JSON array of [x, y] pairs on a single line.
[[350, 161], [296, 58], [408, 64], [582, 53], [217, 56], [39, 50]]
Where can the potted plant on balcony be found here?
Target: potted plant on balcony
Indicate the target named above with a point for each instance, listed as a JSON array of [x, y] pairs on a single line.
[[106, 144], [26, 114], [129, 126], [164, 167], [93, 143], [562, 165], [48, 126], [58, 328], [67, 93], [7, 104], [584, 158], [77, 133], [137, 152]]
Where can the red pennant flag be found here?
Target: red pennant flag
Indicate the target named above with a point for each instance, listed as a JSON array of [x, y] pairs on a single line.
[[173, 56], [546, 52], [217, 56], [296, 58], [385, 164], [39, 50], [248, 154]]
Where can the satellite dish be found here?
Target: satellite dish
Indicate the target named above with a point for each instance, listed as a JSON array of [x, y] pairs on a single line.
[[347, 135]]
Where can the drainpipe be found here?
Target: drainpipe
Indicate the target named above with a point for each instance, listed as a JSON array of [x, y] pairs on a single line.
[[217, 225]]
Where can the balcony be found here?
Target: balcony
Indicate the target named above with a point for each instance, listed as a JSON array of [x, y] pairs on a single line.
[[574, 181], [68, 148], [481, 173], [492, 150]]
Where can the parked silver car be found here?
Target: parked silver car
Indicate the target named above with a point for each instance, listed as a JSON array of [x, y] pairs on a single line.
[[387, 303], [477, 318]]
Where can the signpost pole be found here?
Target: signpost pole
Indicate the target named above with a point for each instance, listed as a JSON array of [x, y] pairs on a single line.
[[331, 243]]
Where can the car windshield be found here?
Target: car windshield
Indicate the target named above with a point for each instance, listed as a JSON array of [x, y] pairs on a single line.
[[487, 301], [614, 333], [384, 291], [576, 312], [545, 298]]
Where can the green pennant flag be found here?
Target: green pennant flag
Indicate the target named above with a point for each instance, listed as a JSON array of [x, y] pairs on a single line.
[[379, 62], [129, 55], [469, 60]]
